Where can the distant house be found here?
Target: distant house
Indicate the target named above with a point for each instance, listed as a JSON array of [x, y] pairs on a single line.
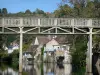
[[50, 43], [12, 47]]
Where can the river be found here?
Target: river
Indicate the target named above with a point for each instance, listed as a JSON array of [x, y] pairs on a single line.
[[43, 69]]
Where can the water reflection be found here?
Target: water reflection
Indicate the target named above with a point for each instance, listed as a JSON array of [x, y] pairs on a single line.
[[48, 69], [43, 69], [95, 71], [5, 70]]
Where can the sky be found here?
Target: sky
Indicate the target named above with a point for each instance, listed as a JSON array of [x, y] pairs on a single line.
[[14, 6]]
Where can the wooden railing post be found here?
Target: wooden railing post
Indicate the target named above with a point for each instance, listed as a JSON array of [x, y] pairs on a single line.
[[89, 23], [39, 22], [2, 23], [72, 24], [55, 22], [21, 22]]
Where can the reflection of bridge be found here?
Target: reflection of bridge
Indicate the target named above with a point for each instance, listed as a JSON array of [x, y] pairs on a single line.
[[29, 25]]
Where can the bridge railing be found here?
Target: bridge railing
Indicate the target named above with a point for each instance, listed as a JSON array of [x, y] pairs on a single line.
[[96, 22], [25, 21]]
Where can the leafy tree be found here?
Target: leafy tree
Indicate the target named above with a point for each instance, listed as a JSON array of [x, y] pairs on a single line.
[[78, 9], [4, 11], [97, 8], [3, 54], [38, 11], [78, 55], [2, 41], [63, 11], [28, 11], [81, 2], [0, 11], [90, 9]]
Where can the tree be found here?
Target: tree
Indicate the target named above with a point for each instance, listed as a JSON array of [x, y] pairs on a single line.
[[3, 39], [28, 11], [97, 8], [1, 43], [63, 11], [80, 50], [38, 11], [0, 11], [20, 14], [4, 11], [81, 2]]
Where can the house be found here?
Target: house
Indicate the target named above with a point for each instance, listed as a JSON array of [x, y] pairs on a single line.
[[13, 46], [50, 45]]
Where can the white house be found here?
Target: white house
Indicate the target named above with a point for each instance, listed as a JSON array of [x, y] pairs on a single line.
[[52, 45], [12, 47]]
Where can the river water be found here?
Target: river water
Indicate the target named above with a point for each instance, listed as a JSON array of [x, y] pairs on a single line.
[[42, 69]]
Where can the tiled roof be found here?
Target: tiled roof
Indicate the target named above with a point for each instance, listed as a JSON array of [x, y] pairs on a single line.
[[44, 40]]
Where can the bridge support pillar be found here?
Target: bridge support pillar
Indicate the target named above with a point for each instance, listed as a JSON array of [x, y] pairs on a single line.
[[89, 53], [20, 51]]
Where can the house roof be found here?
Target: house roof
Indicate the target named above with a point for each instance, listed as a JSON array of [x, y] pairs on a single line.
[[61, 40], [52, 42], [44, 40]]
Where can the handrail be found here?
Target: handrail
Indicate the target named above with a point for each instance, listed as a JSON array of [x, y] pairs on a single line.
[[30, 21]]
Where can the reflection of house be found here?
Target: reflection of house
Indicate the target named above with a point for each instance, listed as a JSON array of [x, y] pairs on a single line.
[[8, 71], [63, 69]]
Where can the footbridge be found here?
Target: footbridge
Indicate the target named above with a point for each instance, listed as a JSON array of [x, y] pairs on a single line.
[[72, 26]]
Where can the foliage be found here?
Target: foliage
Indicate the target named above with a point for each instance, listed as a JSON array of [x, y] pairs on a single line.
[[42, 69], [4, 11], [26, 46], [3, 54], [79, 8], [3, 67], [2, 41], [78, 71], [42, 53], [36, 13], [79, 52], [28, 12], [63, 11], [0, 11], [27, 41]]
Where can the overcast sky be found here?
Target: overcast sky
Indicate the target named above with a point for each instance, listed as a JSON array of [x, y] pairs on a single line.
[[21, 5]]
